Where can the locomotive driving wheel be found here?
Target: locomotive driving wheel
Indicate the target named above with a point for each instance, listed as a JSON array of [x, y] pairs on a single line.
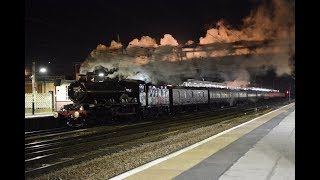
[[124, 98]]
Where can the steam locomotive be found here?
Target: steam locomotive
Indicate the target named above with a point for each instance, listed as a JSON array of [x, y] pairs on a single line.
[[108, 100]]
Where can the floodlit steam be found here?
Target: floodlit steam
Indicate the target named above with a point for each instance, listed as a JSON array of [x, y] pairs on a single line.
[[189, 42], [168, 40], [265, 41], [145, 41]]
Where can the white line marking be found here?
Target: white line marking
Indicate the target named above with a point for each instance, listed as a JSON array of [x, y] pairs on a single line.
[[37, 116], [157, 161]]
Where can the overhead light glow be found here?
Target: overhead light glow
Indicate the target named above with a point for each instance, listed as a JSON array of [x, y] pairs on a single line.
[[43, 70]]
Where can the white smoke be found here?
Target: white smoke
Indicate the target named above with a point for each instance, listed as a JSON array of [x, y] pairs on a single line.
[[266, 40]]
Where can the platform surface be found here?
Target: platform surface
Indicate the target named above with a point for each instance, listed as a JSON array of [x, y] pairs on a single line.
[[263, 148]]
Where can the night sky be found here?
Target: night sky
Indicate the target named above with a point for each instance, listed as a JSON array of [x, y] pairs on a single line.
[[65, 32]]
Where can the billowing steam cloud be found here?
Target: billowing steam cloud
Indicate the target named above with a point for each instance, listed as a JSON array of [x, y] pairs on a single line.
[[266, 40]]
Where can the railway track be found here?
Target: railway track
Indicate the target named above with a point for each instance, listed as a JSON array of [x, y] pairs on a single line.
[[47, 155], [29, 134]]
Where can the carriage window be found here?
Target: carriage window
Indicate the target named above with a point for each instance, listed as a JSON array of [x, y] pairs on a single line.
[[67, 96], [141, 88], [151, 92]]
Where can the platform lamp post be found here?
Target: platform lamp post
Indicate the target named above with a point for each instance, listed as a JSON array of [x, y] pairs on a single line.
[[34, 90], [43, 70], [34, 84]]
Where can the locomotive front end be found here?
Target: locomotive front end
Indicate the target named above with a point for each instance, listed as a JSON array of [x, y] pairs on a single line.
[[74, 115]]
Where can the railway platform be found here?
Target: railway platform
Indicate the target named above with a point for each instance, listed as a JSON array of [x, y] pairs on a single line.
[[41, 121], [262, 148], [38, 115]]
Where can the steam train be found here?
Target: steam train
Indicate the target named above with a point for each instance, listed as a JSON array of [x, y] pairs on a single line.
[[109, 100]]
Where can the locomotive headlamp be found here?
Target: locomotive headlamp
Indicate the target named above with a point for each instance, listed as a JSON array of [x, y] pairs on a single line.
[[81, 108], [76, 114], [55, 114]]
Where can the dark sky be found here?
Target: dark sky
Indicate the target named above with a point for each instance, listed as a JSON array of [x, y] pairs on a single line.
[[64, 32]]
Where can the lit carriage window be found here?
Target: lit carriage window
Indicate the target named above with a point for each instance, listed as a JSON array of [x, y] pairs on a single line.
[[141, 87], [67, 96]]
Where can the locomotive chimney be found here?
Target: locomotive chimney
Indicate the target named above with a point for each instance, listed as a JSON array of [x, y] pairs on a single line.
[[90, 76]]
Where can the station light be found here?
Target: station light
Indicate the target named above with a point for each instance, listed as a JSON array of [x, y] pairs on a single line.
[[43, 70]]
